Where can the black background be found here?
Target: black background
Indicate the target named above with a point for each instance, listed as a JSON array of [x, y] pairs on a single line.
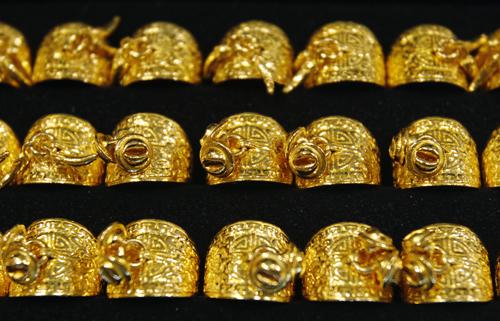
[[203, 210]]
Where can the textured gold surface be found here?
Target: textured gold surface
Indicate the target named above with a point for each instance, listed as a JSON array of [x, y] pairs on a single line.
[[157, 257], [445, 263], [159, 50], [430, 53], [491, 160], [252, 50], [53, 257], [333, 150], [488, 62], [497, 276], [76, 51], [4, 280], [350, 262], [251, 260], [60, 149], [15, 57], [340, 51], [9, 154], [245, 147], [146, 147], [434, 151]]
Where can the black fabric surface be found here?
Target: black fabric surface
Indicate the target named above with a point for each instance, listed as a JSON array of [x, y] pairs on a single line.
[[202, 210]]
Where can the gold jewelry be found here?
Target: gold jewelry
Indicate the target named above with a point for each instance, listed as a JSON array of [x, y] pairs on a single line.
[[146, 147], [488, 62], [76, 51], [445, 263], [251, 260], [9, 154], [52, 257], [252, 50], [15, 57], [491, 160], [333, 150], [339, 51], [245, 147], [159, 50], [430, 53], [4, 280], [434, 151], [350, 262], [60, 149], [148, 258]]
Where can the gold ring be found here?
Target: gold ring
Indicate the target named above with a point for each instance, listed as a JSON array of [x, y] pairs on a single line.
[[337, 52], [350, 262], [159, 50], [333, 150], [52, 257], [245, 147], [252, 50], [15, 69], [251, 260], [434, 151], [146, 147], [491, 160], [487, 58], [9, 154], [445, 263], [148, 258], [430, 53], [76, 51], [60, 149]]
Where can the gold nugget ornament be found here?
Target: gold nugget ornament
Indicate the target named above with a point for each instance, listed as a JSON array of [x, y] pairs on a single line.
[[445, 263], [146, 147], [52, 257], [60, 149], [431, 53], [488, 61], [252, 50], [491, 160], [350, 262], [159, 50], [251, 260], [76, 51], [434, 151], [15, 57], [9, 154], [338, 52], [148, 258], [245, 147], [333, 150]]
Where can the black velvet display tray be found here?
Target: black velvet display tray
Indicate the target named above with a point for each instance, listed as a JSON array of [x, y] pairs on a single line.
[[201, 209]]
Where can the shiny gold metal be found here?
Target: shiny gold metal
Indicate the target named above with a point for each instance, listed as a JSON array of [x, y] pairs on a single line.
[[431, 53], [333, 150], [252, 50], [15, 57], [9, 154], [76, 51], [491, 160], [4, 280], [350, 262], [497, 275], [148, 258], [60, 149], [337, 52], [146, 147], [52, 257], [245, 147], [445, 263], [159, 50], [251, 260], [488, 62], [434, 151]]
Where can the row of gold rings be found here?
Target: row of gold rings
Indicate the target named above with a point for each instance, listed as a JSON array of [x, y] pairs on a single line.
[[144, 147], [249, 260], [337, 52]]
